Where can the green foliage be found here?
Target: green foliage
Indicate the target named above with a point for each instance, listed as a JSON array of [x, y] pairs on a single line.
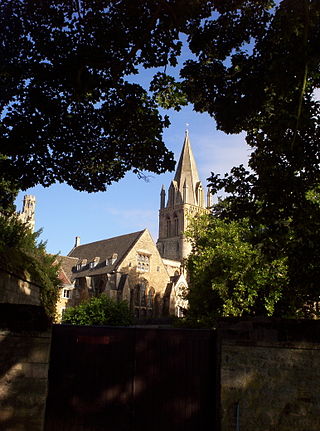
[[21, 254], [167, 92], [229, 273], [99, 311]]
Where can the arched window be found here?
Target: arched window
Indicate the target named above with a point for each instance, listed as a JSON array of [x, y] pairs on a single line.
[[157, 305], [140, 300], [175, 225], [168, 226], [143, 297], [136, 295], [150, 297]]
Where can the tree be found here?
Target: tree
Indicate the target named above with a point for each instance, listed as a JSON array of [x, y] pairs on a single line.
[[21, 254], [99, 311], [229, 273], [256, 70], [70, 112]]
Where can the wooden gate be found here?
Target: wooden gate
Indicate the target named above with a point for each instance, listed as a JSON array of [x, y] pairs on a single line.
[[130, 379]]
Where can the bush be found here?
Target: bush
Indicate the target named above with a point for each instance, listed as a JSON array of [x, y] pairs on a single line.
[[99, 311], [23, 255]]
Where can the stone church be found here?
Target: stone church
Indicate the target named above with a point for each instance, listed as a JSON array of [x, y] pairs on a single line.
[[132, 267]]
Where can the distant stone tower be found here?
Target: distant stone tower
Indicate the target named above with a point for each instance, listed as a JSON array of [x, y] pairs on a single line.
[[28, 210], [185, 199]]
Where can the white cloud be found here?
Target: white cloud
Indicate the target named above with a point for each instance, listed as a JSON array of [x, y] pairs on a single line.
[[220, 153]]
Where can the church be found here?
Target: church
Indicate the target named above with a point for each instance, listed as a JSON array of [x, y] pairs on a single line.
[[131, 267]]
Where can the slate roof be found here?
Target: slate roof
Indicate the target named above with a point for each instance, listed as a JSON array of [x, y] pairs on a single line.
[[103, 249], [66, 273]]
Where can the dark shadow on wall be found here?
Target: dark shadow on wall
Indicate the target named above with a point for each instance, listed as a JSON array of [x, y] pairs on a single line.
[[22, 317], [24, 350]]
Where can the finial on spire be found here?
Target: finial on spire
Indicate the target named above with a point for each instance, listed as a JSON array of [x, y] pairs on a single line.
[[187, 129]]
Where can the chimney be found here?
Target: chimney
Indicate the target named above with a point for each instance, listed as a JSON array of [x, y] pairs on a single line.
[[77, 242]]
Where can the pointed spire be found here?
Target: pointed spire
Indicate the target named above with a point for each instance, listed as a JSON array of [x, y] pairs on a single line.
[[162, 197], [187, 173], [209, 198]]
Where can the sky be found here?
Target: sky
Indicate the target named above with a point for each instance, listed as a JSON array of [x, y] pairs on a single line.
[[131, 204]]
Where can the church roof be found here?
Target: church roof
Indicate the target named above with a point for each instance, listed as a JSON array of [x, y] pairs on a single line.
[[186, 176], [110, 252], [66, 264]]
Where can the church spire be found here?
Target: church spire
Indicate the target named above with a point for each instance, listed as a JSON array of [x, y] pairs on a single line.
[[185, 199], [187, 176]]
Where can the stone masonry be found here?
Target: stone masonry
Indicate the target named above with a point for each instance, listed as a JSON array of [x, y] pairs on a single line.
[[24, 362], [270, 376]]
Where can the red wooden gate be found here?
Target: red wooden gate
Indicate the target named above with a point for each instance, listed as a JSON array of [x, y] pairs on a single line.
[[130, 379]]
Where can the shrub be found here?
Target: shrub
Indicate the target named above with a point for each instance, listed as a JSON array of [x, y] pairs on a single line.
[[99, 311]]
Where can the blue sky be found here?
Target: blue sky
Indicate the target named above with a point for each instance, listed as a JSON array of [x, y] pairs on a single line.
[[131, 204]]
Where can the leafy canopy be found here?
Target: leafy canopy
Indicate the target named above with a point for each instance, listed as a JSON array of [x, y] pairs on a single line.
[[99, 311], [70, 112]]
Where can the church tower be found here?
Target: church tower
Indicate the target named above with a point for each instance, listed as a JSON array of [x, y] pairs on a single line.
[[185, 199], [28, 210]]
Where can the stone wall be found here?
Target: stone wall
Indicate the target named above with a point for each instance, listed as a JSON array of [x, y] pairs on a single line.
[[270, 375], [15, 290], [24, 361]]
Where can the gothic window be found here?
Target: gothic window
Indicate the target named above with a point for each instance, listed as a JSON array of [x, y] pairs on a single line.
[[168, 226], [140, 300], [175, 225], [157, 301], [143, 299], [150, 297], [136, 296]]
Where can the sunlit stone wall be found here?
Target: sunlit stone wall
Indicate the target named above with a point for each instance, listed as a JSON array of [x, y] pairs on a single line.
[[270, 375]]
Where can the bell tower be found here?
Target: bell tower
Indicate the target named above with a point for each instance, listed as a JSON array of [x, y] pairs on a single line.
[[185, 199]]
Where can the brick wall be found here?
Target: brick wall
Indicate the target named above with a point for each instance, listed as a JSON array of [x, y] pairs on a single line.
[[270, 375], [24, 360]]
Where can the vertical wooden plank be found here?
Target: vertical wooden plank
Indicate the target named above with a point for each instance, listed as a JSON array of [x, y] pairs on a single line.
[[174, 378], [90, 380]]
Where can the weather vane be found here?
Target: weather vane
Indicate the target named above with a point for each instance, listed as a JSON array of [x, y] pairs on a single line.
[[187, 128]]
